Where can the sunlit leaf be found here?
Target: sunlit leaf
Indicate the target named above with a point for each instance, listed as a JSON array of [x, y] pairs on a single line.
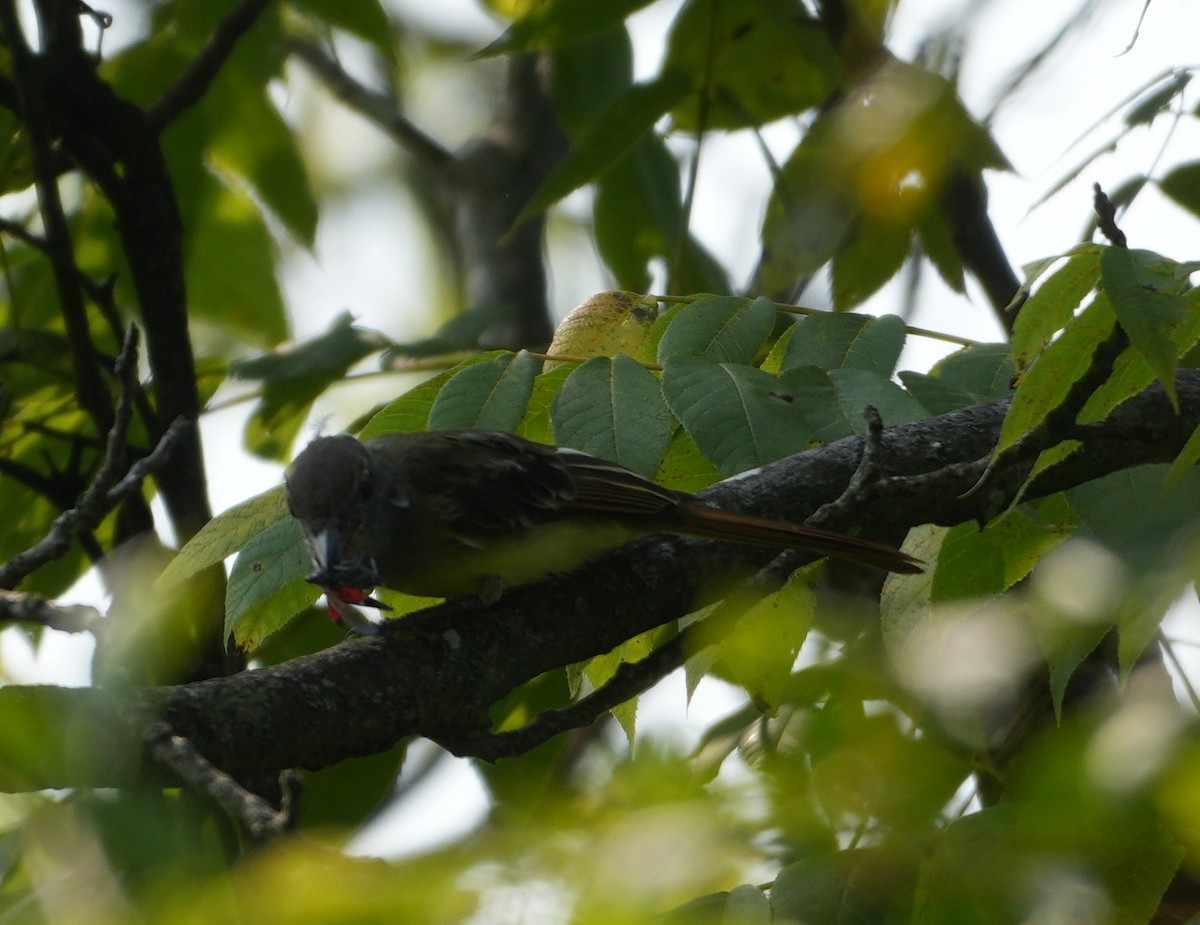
[[605, 325], [225, 534]]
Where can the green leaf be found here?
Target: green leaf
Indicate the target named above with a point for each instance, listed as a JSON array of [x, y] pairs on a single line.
[[268, 160], [225, 534], [628, 120], [1156, 102], [410, 412], [722, 328], [271, 567], [1048, 380], [537, 425], [638, 212], [589, 76], [1147, 305], [936, 237], [346, 795], [685, 468], [809, 214], [866, 885], [833, 340], [834, 403], [1132, 373], [1148, 522], [555, 23], [972, 871], [985, 370], [935, 394], [1182, 184], [461, 332], [1136, 515], [760, 654], [295, 376], [740, 416], [614, 409], [757, 60], [491, 395], [867, 163], [230, 267], [600, 670], [1186, 460], [698, 270], [873, 253], [1053, 305], [327, 356], [857, 388], [974, 563]]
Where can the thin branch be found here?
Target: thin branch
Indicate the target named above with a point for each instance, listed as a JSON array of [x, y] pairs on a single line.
[[629, 680], [377, 108], [261, 821], [195, 81], [18, 607]]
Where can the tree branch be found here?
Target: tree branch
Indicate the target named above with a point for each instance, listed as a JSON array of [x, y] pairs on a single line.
[[29, 72], [377, 108], [261, 821], [195, 81], [438, 673], [16, 607]]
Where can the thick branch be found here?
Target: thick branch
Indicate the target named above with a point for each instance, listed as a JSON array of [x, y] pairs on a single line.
[[31, 76], [439, 673]]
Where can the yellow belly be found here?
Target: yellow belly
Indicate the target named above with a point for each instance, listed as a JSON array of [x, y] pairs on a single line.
[[556, 548]]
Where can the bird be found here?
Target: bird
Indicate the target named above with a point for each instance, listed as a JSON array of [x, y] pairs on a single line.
[[475, 512]]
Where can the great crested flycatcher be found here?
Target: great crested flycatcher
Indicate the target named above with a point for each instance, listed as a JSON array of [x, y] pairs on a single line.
[[464, 512]]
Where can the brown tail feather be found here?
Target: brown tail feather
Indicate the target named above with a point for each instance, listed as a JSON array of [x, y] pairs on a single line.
[[699, 520]]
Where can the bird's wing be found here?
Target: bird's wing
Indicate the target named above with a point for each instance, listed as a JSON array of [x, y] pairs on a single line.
[[488, 482]]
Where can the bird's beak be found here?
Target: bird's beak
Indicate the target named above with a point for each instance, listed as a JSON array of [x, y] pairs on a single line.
[[327, 548]]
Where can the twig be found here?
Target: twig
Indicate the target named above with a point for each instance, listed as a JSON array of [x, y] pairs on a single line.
[[108, 488], [869, 471], [1106, 217], [18, 607], [376, 107], [262, 821], [195, 81], [629, 680]]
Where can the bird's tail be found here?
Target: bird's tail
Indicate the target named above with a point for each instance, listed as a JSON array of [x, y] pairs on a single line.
[[711, 523]]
